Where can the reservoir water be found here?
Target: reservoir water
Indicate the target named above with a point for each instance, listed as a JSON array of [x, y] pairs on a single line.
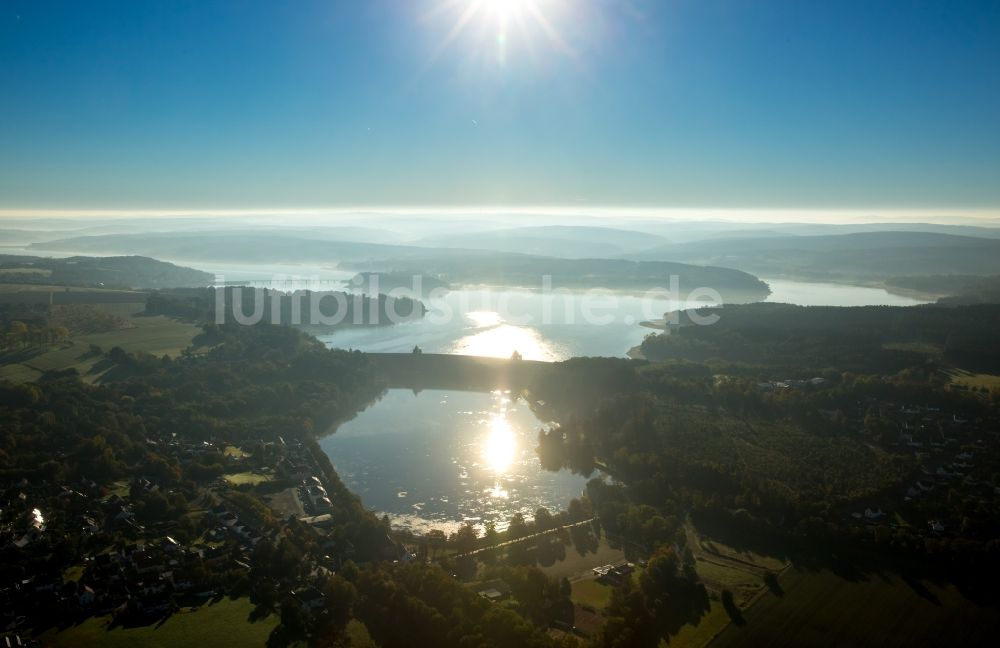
[[438, 459], [828, 294], [498, 321]]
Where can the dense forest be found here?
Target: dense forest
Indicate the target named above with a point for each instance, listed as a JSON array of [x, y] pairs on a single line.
[[418, 284], [106, 272], [799, 340], [301, 308], [793, 459], [953, 288], [523, 270], [36, 324], [254, 383]]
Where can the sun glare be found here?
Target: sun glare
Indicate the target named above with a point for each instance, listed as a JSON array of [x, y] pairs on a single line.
[[500, 21], [500, 445], [503, 340], [504, 9]]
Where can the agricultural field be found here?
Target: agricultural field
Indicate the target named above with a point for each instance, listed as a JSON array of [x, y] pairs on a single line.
[[222, 623], [755, 559], [591, 593], [822, 608], [156, 335], [576, 566], [16, 293], [973, 380], [717, 577], [697, 636], [247, 478], [722, 567], [25, 272]]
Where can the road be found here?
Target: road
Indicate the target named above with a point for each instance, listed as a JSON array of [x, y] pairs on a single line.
[[540, 534]]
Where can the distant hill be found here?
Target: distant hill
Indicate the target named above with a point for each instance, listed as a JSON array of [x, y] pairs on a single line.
[[868, 256], [322, 310], [552, 240], [374, 283], [247, 246], [527, 271], [107, 272], [18, 237], [354, 243], [951, 289], [688, 231]]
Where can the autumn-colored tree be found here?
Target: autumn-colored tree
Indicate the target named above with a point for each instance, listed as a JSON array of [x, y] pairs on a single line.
[[17, 331]]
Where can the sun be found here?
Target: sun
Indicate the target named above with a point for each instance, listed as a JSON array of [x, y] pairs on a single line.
[[504, 10], [503, 21]]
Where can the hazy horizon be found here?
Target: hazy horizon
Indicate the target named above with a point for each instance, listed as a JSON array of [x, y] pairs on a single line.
[[606, 216]]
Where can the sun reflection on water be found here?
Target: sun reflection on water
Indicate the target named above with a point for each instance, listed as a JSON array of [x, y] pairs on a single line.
[[483, 319], [500, 445], [495, 338], [452, 458]]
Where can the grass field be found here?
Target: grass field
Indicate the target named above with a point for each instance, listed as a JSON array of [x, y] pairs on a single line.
[[240, 479], [974, 380], [765, 562], [18, 373], [225, 623], [575, 565], [821, 608], [40, 272], [7, 288], [591, 593], [717, 577], [722, 567], [697, 636], [19, 293], [121, 488], [74, 573], [156, 335]]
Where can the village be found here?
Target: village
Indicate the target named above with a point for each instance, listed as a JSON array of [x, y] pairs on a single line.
[[953, 465], [141, 549]]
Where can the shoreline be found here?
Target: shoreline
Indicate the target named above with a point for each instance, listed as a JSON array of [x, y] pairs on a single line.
[[859, 283]]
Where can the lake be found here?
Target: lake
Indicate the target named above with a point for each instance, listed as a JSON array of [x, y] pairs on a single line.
[[829, 294], [498, 321], [438, 459]]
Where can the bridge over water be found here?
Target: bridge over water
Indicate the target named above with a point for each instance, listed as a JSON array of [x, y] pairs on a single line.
[[459, 372]]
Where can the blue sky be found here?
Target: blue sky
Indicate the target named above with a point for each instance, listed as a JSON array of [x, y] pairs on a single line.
[[686, 103]]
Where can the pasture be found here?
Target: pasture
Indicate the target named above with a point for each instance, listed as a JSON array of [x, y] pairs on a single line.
[[156, 335], [591, 593], [822, 608], [247, 478], [974, 380], [221, 623]]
